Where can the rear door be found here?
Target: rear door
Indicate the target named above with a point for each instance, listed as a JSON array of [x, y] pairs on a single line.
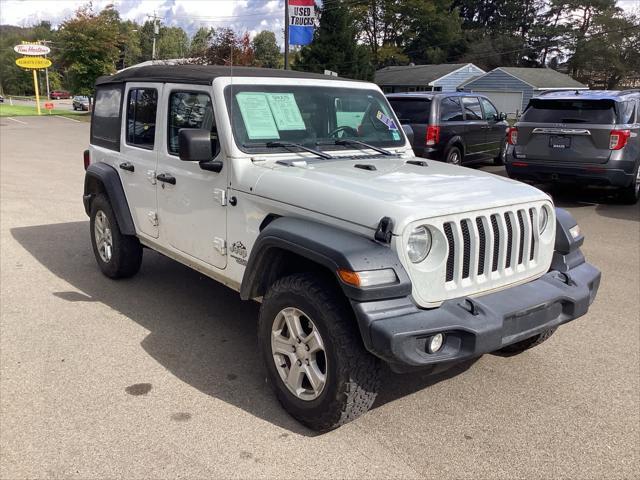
[[566, 130], [414, 111]]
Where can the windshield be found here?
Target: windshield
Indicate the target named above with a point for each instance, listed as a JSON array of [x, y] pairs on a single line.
[[309, 115], [569, 111]]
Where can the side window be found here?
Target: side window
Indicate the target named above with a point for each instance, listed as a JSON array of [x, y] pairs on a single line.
[[490, 112], [105, 122], [472, 110], [627, 112], [189, 110], [142, 105], [450, 110]]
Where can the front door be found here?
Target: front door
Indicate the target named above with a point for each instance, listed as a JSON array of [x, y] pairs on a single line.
[[138, 158], [191, 201], [475, 129], [496, 128]]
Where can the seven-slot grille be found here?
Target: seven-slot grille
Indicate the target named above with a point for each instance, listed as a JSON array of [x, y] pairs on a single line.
[[491, 243]]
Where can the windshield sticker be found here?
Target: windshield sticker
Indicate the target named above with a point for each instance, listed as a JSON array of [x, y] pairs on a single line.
[[391, 125], [395, 135], [257, 115], [285, 111]]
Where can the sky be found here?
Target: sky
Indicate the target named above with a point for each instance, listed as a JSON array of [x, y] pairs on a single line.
[[241, 15]]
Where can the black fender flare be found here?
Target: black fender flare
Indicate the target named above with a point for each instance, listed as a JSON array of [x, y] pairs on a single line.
[[107, 176], [328, 246]]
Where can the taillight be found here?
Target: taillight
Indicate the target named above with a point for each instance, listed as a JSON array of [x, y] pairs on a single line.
[[87, 159], [433, 135], [512, 135], [618, 139]]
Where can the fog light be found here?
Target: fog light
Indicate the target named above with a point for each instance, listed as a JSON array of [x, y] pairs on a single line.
[[435, 343]]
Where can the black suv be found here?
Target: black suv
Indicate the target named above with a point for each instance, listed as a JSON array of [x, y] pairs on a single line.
[[587, 137], [455, 127]]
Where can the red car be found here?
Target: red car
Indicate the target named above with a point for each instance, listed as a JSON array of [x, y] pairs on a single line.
[[59, 94]]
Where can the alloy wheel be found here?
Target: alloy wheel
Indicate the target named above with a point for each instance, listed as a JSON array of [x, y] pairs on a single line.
[[103, 236], [299, 353]]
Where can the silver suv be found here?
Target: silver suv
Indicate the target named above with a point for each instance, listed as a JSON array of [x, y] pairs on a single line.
[[586, 137]]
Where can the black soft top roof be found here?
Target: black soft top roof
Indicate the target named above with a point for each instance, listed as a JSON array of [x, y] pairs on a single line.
[[201, 74]]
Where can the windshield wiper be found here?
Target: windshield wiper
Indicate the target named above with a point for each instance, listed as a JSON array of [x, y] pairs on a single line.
[[320, 154], [346, 141]]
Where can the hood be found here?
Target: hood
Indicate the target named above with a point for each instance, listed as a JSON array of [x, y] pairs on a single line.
[[395, 189]]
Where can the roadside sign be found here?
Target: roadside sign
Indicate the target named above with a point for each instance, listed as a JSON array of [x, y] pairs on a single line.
[[32, 49], [302, 20], [33, 62], [48, 105]]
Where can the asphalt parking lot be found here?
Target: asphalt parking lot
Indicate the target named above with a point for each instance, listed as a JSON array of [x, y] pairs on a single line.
[[157, 376]]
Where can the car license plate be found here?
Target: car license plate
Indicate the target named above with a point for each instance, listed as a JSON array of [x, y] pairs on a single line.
[[556, 141]]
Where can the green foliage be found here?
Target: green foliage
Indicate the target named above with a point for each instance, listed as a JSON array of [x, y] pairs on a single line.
[[89, 47], [335, 45], [266, 50]]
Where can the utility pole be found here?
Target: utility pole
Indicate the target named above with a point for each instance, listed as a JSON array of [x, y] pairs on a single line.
[[46, 70], [156, 31], [286, 34]]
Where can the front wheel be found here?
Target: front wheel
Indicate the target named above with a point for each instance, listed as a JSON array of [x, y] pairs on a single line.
[[316, 362]]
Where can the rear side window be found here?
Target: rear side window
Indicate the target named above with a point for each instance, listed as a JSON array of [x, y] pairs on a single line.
[[451, 110], [627, 112], [105, 122], [188, 110], [472, 110], [490, 112], [411, 110], [569, 111], [142, 105]]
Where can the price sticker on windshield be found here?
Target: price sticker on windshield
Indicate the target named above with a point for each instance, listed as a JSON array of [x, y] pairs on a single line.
[[388, 121]]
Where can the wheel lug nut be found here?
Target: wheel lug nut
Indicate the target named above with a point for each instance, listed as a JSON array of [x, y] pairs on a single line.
[[299, 362], [298, 340], [307, 347], [307, 362]]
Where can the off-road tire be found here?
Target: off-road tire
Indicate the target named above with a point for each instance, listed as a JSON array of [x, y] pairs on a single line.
[[126, 252], [352, 373], [531, 342], [450, 156]]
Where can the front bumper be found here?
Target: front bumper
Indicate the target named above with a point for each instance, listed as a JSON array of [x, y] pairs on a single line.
[[397, 330]]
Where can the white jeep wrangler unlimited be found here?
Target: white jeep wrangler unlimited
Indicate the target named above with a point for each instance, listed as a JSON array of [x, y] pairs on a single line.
[[302, 191]]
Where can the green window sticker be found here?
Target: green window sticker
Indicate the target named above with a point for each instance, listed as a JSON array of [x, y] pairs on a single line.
[[395, 135], [285, 111], [257, 116]]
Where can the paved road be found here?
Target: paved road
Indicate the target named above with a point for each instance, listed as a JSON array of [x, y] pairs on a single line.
[[157, 377]]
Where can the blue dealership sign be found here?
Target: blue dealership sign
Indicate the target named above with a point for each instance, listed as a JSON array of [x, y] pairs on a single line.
[[302, 19]]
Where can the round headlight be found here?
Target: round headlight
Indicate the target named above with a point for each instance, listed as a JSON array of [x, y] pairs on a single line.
[[419, 244], [544, 219]]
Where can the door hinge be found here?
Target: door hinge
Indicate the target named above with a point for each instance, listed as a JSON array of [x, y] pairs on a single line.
[[220, 244], [151, 176], [153, 218], [220, 195]]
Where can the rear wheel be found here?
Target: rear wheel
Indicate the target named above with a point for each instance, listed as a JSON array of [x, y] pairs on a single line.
[[454, 156], [315, 360], [631, 194], [118, 255]]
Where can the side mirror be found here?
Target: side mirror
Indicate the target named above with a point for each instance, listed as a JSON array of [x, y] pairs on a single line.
[[195, 145], [408, 131], [502, 116]]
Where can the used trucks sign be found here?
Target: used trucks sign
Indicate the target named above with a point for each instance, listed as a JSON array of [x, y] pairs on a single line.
[[302, 19]]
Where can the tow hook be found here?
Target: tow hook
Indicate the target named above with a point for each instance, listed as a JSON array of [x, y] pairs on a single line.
[[470, 306]]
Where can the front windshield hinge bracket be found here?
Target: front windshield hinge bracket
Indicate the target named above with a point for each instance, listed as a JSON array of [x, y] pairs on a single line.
[[384, 231]]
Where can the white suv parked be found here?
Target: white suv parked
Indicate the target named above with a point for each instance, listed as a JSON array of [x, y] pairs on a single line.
[[301, 191]]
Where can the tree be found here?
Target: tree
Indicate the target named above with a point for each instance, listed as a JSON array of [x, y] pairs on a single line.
[[88, 47], [335, 46], [200, 42], [266, 50]]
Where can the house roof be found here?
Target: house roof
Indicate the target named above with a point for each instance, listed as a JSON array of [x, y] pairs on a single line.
[[200, 74], [416, 74], [543, 78]]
